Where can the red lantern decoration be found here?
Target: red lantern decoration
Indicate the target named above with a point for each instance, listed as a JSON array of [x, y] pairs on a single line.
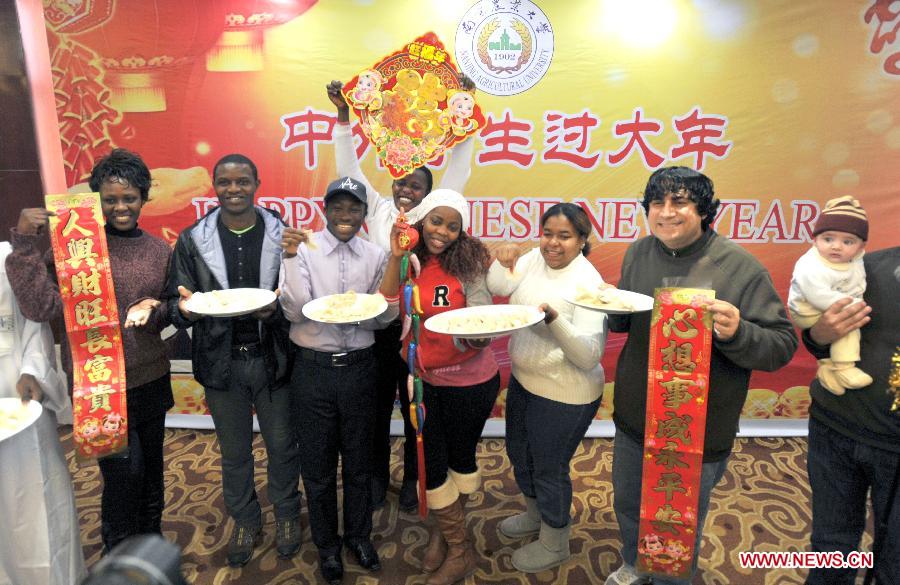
[[240, 46], [138, 41]]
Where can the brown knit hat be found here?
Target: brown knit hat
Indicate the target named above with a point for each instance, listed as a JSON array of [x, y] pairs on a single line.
[[843, 214]]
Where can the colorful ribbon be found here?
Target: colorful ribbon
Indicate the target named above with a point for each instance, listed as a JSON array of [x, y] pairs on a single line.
[[412, 306]]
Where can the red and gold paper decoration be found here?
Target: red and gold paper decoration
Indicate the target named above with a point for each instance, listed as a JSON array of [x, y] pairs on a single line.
[[677, 388], [83, 107], [100, 426], [240, 46], [65, 16], [894, 381], [411, 105]]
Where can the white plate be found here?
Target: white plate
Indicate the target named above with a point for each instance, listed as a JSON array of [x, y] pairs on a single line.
[[444, 322], [640, 302], [366, 306], [230, 302], [26, 415]]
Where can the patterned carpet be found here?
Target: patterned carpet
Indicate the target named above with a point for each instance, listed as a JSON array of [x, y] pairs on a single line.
[[762, 504]]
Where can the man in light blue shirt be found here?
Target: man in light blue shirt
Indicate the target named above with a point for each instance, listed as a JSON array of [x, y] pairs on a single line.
[[333, 382]]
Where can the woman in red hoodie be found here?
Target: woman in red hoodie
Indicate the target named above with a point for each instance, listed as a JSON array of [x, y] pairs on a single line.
[[460, 377]]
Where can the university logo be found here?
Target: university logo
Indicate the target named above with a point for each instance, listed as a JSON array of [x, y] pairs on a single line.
[[505, 46]]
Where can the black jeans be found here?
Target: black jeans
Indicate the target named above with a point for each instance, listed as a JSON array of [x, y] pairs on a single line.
[[335, 414], [843, 472], [541, 438], [391, 379], [454, 419], [133, 488], [232, 412]]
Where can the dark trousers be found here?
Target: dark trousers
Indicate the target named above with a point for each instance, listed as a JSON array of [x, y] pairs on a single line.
[[335, 412], [133, 488], [628, 465], [391, 379], [842, 471], [541, 438], [232, 412], [454, 419]]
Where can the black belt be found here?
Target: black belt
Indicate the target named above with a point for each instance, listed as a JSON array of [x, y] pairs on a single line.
[[336, 360], [246, 350]]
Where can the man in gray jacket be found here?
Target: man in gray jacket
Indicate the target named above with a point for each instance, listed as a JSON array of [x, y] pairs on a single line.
[[243, 362]]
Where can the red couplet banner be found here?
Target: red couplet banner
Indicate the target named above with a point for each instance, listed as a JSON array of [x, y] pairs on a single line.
[[92, 324], [677, 386]]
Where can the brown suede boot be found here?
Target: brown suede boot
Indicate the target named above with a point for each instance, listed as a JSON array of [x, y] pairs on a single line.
[[436, 550], [437, 546], [459, 561]]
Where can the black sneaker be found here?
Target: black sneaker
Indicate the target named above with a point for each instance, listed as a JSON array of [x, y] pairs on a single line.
[[240, 546], [409, 495], [287, 537], [332, 569], [365, 554]]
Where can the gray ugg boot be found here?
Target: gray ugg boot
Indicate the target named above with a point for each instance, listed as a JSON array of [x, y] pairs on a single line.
[[550, 549], [524, 523]]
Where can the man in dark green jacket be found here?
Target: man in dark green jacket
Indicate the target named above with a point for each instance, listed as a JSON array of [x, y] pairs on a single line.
[[751, 332]]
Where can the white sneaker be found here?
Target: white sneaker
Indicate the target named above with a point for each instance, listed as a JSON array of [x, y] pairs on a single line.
[[626, 575]]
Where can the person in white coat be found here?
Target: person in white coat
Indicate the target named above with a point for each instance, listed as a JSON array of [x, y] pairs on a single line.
[[40, 543]]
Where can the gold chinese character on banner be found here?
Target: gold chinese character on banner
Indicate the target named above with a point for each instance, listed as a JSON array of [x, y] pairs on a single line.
[[100, 397], [72, 224], [669, 456], [677, 358], [675, 427], [679, 326], [81, 250], [96, 341], [88, 313], [96, 368], [667, 520], [670, 483], [86, 284], [676, 392]]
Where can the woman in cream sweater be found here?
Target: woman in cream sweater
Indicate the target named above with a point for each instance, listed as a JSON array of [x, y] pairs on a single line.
[[557, 379]]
